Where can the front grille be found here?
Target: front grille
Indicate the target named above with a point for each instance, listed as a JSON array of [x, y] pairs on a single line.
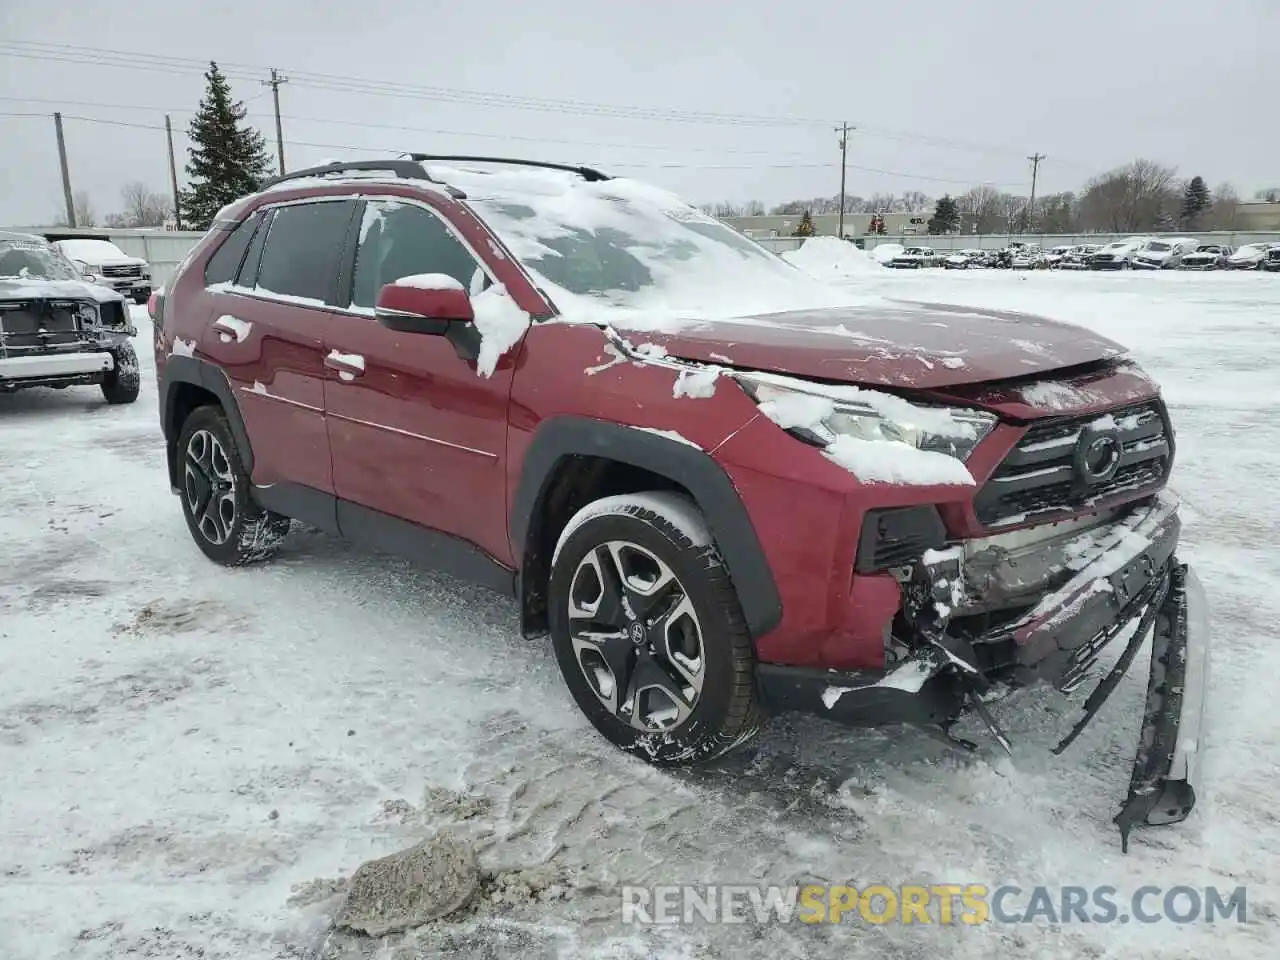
[[1041, 475], [127, 271], [38, 324]]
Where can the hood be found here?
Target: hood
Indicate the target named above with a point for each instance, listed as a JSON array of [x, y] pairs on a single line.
[[33, 288], [1154, 254], [893, 344], [1243, 255]]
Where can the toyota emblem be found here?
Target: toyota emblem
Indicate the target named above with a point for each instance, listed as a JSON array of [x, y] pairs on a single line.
[[1097, 457]]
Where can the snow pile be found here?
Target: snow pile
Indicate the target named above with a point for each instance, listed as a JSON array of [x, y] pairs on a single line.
[[829, 258], [501, 324], [885, 252]]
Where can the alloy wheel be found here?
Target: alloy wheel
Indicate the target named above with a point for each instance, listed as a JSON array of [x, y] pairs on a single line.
[[210, 487], [636, 636]]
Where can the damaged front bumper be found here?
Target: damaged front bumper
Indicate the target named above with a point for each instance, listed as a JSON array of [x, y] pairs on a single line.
[[1095, 583]]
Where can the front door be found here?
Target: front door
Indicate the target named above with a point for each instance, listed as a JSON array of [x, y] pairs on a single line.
[[415, 431]]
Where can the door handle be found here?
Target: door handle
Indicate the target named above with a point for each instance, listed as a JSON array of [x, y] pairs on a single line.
[[348, 365], [232, 328]]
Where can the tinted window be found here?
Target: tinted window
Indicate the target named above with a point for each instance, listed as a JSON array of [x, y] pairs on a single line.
[[248, 274], [303, 245], [400, 240], [225, 262]]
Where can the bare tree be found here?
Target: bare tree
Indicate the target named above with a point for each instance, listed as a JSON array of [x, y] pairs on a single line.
[[144, 207], [83, 207], [913, 201], [1142, 195], [1222, 212], [753, 208], [1270, 195], [980, 207]]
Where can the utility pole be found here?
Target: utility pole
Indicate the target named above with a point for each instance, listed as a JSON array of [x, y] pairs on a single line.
[[66, 174], [1035, 159], [843, 130], [173, 174], [274, 84]]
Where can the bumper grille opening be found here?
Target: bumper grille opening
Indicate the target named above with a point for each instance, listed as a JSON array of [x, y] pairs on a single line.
[[1045, 472]]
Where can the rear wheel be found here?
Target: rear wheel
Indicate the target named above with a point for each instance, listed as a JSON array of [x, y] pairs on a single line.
[[122, 383], [648, 631], [225, 521]]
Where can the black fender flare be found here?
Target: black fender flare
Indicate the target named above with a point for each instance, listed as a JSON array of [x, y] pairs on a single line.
[[192, 370], [560, 438]]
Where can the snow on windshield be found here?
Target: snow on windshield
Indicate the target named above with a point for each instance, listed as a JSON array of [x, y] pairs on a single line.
[[30, 259], [1158, 245], [91, 251], [638, 250]]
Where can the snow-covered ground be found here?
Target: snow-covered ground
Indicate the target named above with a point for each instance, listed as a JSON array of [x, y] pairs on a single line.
[[190, 755]]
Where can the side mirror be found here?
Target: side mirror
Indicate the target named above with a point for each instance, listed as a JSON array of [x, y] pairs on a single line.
[[427, 303]]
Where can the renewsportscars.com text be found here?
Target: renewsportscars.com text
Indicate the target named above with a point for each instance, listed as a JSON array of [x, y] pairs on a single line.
[[942, 904]]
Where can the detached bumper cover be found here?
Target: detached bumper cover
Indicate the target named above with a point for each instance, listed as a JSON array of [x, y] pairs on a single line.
[[46, 365], [1167, 769]]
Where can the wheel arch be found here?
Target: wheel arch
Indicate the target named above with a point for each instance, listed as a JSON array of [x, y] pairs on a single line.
[[573, 460], [189, 383]]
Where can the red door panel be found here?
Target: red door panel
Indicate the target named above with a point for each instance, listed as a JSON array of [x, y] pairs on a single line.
[[418, 434], [272, 355]]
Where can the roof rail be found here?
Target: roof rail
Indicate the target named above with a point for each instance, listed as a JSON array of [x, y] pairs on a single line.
[[587, 173], [404, 168]]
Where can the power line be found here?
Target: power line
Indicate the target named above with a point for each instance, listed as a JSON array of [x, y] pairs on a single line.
[[384, 88], [788, 165]]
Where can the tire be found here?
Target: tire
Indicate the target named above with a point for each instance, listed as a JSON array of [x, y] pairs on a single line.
[[707, 658], [122, 383], [225, 521]]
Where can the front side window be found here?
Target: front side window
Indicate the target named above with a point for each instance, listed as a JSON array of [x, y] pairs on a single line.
[[399, 239], [303, 244]]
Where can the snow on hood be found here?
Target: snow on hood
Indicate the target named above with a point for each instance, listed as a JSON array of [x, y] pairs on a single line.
[[892, 343], [28, 288], [1248, 253], [95, 252]]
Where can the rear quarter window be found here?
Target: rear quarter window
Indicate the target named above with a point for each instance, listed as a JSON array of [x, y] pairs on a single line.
[[225, 262]]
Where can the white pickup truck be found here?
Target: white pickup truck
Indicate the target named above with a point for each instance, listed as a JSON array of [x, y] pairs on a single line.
[[102, 262]]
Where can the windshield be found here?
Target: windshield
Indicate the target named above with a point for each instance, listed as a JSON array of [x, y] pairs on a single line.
[[1158, 246], [628, 246], [35, 260], [91, 251]]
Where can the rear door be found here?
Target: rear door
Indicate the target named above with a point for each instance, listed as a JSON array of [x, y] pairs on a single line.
[[415, 431], [266, 331]]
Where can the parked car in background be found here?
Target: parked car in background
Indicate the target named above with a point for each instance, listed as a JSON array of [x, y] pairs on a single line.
[[1053, 259], [964, 259], [57, 330], [1272, 261], [1248, 257], [101, 261], [1163, 253], [1077, 258], [913, 258], [1117, 255], [1028, 257], [1207, 256]]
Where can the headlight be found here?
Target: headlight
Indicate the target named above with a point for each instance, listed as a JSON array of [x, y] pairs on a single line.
[[89, 316], [820, 414]]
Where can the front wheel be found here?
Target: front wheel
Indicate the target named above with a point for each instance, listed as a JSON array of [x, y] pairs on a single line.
[[225, 521], [122, 383], [648, 631]]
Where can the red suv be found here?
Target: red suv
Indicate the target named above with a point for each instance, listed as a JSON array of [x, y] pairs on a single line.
[[724, 488]]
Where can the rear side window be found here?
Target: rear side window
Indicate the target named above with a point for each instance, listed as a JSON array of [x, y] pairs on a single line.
[[302, 250], [225, 262]]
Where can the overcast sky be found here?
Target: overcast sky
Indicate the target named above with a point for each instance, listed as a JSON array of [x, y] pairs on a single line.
[[954, 90]]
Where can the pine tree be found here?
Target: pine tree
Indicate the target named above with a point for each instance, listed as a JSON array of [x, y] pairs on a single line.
[[226, 160], [946, 216], [805, 227], [1195, 201]]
